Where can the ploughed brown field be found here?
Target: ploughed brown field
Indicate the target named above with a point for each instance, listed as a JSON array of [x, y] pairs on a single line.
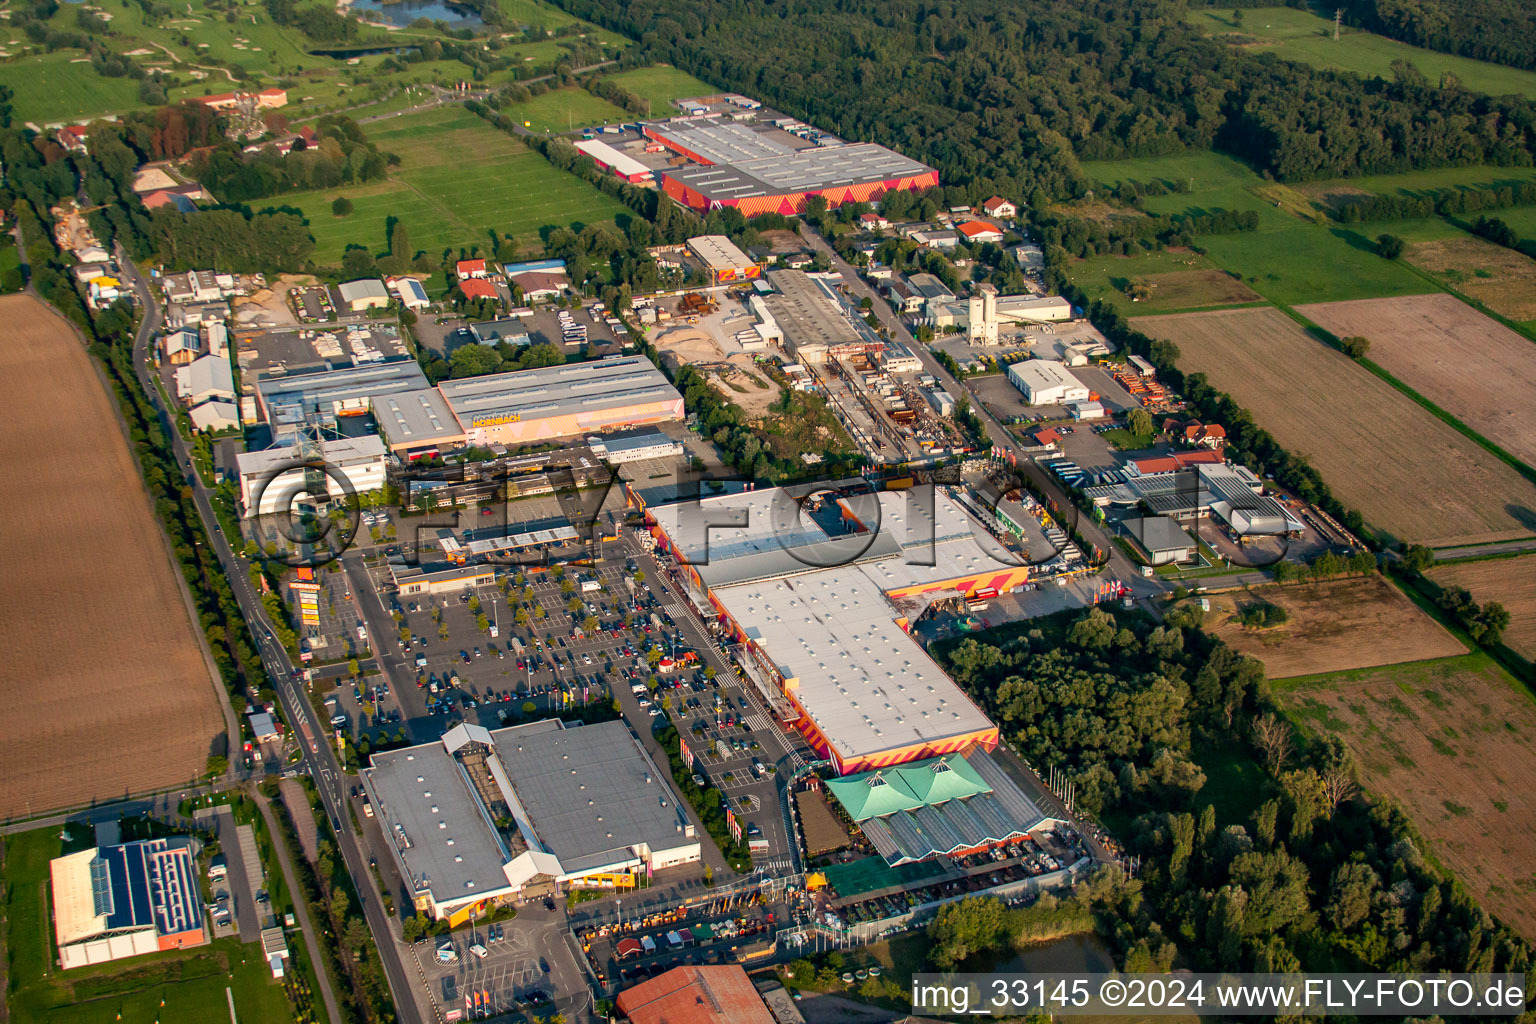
[[1467, 363], [1409, 473], [1454, 743], [1509, 581], [105, 689], [1332, 626]]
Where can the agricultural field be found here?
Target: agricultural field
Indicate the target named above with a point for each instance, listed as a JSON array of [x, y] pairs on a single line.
[[1293, 256], [107, 691], [661, 85], [1178, 278], [1453, 742], [1410, 474], [1509, 581], [458, 179], [1332, 626], [1303, 36], [191, 983], [561, 110], [1468, 364]]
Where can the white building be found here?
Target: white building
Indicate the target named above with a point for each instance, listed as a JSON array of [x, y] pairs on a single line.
[[215, 415], [271, 479], [410, 292], [1046, 382], [368, 293], [204, 380]]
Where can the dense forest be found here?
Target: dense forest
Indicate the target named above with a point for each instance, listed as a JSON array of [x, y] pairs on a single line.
[[1259, 852], [1502, 31], [340, 155], [1008, 97]]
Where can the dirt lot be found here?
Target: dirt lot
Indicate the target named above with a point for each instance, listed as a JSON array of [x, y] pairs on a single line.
[[1468, 364], [1454, 743], [1333, 626], [1509, 581], [1501, 279], [1408, 473], [735, 376], [106, 692]]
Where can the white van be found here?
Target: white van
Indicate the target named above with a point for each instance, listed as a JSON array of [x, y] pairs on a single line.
[[479, 951]]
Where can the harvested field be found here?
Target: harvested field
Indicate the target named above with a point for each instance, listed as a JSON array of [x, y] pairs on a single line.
[[1332, 626], [1501, 279], [1468, 364], [1454, 743], [106, 690], [1410, 474], [1200, 288], [1509, 581]]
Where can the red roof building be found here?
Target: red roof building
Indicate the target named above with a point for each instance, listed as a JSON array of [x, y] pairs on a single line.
[[1176, 461], [997, 206], [477, 288], [980, 231], [695, 995], [1047, 435], [469, 268]]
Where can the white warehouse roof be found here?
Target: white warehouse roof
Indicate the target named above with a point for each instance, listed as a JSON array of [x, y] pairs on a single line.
[[612, 158]]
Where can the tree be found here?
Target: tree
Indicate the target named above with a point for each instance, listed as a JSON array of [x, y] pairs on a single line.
[[960, 930], [590, 624], [1273, 738], [1140, 422], [353, 668], [1237, 17], [1389, 246], [1355, 346], [1418, 559], [341, 207]]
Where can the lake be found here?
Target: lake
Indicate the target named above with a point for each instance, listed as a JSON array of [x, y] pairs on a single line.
[[1075, 954], [406, 11]]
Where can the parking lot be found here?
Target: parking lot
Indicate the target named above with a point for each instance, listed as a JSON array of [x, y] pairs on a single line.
[[490, 969]]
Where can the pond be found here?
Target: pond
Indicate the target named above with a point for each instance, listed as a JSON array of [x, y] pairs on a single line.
[[1075, 954], [402, 12]]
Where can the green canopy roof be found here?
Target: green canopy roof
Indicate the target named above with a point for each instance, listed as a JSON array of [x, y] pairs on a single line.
[[907, 787]]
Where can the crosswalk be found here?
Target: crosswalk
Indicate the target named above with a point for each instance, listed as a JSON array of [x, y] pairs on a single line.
[[778, 866], [757, 723]]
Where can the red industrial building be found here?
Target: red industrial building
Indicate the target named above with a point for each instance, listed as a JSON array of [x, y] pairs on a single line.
[[620, 164]]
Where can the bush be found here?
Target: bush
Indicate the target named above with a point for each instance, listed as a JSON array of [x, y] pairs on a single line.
[[342, 207], [1389, 246], [1355, 346]]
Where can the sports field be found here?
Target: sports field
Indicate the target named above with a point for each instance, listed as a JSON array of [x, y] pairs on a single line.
[[1288, 259], [661, 85], [1303, 36], [1466, 363], [1332, 626], [1509, 581], [561, 110], [106, 690], [1453, 742], [458, 179], [191, 983], [1410, 474]]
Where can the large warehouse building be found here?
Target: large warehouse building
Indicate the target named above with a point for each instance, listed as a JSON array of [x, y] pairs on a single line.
[[814, 327], [761, 171], [1046, 382], [723, 259], [126, 900], [821, 613], [619, 163], [349, 391], [480, 818], [555, 402]]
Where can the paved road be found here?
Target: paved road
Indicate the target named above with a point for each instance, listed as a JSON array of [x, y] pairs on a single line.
[[1119, 566], [1484, 550], [319, 758]]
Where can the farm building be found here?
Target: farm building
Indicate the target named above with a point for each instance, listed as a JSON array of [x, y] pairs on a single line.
[[822, 616], [715, 994], [368, 293], [125, 900], [723, 259], [272, 478], [950, 806], [1046, 382], [1160, 538], [481, 818], [621, 164], [552, 402], [738, 167]]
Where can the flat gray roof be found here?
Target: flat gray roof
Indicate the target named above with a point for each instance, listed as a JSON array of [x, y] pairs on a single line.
[[805, 170], [413, 418], [719, 142], [558, 390], [350, 384], [1159, 534], [806, 314], [590, 793]]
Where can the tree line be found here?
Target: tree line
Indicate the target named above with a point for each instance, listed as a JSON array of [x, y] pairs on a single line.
[[1446, 202], [1501, 31], [1085, 236], [1289, 869]]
